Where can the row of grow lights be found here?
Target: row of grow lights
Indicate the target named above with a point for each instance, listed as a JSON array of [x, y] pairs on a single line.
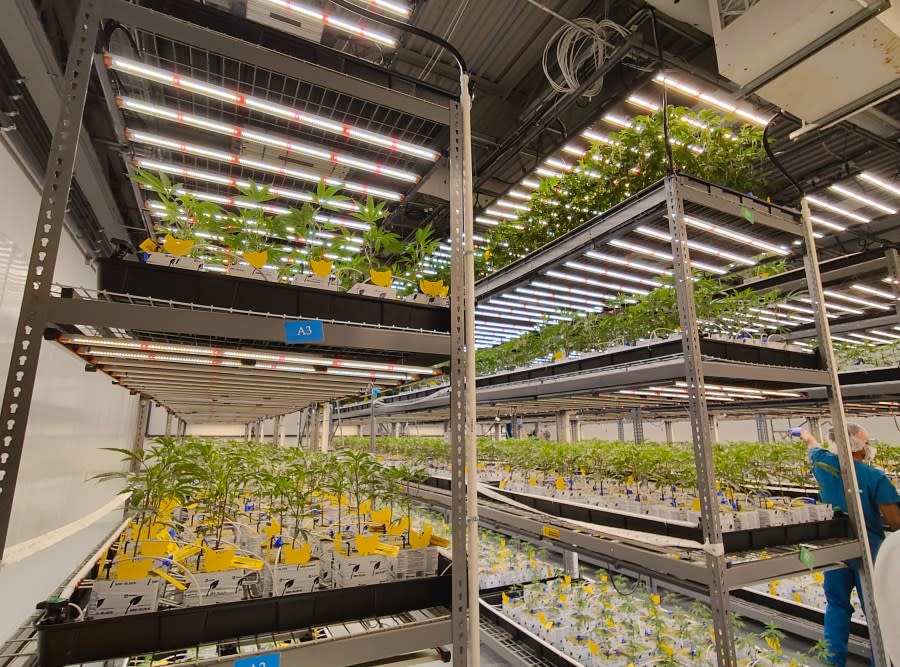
[[221, 178]]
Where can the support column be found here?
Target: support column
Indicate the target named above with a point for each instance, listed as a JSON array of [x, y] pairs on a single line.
[[497, 430], [637, 419], [762, 428], [140, 427], [29, 331], [669, 438], [373, 424], [564, 426], [714, 428], [726, 655], [815, 427], [839, 425], [325, 440], [395, 429], [570, 564], [621, 424], [276, 430], [248, 431], [260, 428], [577, 426], [168, 423]]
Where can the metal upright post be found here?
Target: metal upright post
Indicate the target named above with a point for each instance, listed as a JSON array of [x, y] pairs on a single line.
[[248, 432], [570, 564], [714, 428], [26, 346], [637, 421], [168, 423], [325, 441], [143, 420], [373, 425], [893, 262], [620, 422], [464, 476], [815, 427], [706, 480], [668, 426], [839, 425], [276, 430], [762, 428]]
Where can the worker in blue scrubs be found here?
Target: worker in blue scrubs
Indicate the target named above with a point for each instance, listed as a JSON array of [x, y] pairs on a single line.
[[879, 499]]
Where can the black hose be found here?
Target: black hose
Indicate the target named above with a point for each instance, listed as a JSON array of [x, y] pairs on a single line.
[[670, 160], [405, 27], [774, 159]]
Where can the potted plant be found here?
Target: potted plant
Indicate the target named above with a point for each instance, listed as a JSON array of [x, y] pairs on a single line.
[[248, 235], [183, 215], [374, 262]]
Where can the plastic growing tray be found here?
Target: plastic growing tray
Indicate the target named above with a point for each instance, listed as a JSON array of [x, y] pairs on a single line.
[[76, 642]]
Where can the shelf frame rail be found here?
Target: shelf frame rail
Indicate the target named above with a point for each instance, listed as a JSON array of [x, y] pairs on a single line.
[[700, 427], [39, 305], [839, 425]]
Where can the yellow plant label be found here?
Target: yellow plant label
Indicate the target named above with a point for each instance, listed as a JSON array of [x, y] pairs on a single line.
[[542, 618], [592, 647], [604, 578], [774, 643], [365, 544], [365, 507], [695, 505], [588, 590], [668, 650], [172, 580], [296, 555], [503, 483], [797, 597], [819, 577], [247, 563], [391, 550], [148, 245], [551, 532], [560, 484], [629, 480], [532, 481], [438, 541], [563, 598], [505, 598], [655, 599], [610, 623], [506, 468], [567, 581]]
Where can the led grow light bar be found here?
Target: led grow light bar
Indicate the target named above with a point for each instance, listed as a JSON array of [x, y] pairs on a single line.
[[611, 273], [827, 223], [561, 297], [264, 138], [238, 99], [745, 390], [220, 179], [151, 139], [644, 250], [821, 203], [712, 100], [596, 136], [699, 247], [735, 236], [359, 30], [875, 292], [556, 305], [856, 300], [597, 283], [236, 202], [254, 355], [880, 183], [614, 259], [834, 306], [571, 290], [884, 208]]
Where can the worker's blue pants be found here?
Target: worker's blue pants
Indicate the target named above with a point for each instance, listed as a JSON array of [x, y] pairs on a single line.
[[839, 584]]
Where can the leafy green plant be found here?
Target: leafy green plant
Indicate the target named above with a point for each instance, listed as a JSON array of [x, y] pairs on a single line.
[[703, 143], [183, 215]]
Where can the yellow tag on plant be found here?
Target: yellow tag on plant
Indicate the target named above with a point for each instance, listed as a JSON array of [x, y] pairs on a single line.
[[563, 598], [560, 484], [505, 598], [592, 647], [567, 580], [655, 599]]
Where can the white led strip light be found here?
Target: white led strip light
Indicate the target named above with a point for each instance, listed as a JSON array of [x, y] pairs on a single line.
[[634, 247], [884, 208], [881, 183], [150, 139], [234, 202], [724, 105], [211, 177], [837, 209], [238, 99], [621, 261], [225, 353], [735, 236], [266, 139], [597, 283], [612, 274], [332, 21], [699, 247]]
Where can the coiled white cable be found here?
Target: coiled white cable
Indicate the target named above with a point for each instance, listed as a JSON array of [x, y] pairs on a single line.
[[574, 47]]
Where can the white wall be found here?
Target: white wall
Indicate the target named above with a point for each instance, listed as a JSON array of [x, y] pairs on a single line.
[[73, 413]]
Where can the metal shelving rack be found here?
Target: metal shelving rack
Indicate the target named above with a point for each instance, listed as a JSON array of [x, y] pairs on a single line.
[[680, 201], [44, 305]]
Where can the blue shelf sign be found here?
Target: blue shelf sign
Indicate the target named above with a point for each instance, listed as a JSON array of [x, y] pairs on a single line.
[[303, 331], [264, 660]]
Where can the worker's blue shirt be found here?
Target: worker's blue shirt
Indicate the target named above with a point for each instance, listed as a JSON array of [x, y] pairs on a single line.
[[874, 488]]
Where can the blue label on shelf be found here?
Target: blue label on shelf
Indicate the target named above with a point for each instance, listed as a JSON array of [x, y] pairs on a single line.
[[304, 331], [264, 660]]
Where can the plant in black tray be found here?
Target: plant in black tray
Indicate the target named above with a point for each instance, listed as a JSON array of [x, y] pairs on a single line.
[[250, 232], [155, 475]]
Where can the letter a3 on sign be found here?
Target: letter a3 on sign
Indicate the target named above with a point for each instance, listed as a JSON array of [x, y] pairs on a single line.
[[303, 331]]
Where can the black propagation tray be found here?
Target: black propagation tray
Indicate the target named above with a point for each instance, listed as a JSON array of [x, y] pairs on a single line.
[[75, 642], [735, 541], [211, 289]]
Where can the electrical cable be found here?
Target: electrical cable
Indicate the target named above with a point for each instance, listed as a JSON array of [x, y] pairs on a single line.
[[576, 44], [775, 160], [406, 27], [667, 145]]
